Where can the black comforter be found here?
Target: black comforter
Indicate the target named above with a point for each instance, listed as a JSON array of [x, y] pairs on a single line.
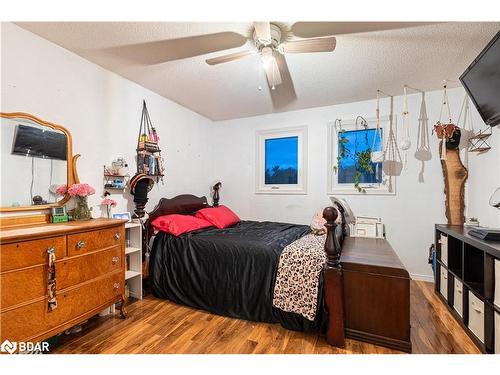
[[229, 272]]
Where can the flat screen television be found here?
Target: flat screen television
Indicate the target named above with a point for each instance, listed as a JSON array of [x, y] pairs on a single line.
[[482, 82], [35, 142]]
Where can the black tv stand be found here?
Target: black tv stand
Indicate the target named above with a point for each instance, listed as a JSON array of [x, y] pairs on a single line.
[[465, 282]]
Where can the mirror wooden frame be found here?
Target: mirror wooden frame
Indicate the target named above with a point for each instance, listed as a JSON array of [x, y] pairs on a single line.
[[72, 176]]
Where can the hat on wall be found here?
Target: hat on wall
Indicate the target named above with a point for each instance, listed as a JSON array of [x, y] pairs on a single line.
[[138, 177]]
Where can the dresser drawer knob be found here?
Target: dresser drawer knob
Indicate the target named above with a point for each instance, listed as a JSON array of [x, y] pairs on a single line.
[[80, 244], [117, 236], [116, 285], [115, 260]]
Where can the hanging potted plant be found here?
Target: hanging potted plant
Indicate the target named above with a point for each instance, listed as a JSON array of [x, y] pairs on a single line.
[[81, 193]]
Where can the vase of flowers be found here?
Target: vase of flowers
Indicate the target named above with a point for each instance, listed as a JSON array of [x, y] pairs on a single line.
[[108, 203], [80, 192]]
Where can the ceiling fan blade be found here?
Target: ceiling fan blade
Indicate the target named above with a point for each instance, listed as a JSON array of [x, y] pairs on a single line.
[[273, 73], [318, 29], [309, 45], [263, 31], [229, 57], [161, 51], [284, 94]]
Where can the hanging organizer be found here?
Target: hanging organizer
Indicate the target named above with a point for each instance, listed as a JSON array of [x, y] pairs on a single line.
[[149, 160]]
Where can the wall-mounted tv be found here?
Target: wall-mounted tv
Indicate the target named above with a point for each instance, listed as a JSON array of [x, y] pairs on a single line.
[[482, 82], [39, 143]]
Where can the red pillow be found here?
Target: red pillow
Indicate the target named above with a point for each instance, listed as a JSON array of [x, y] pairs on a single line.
[[179, 224], [221, 217]]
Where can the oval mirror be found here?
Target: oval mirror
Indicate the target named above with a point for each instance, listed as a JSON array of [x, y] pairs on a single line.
[[36, 159]]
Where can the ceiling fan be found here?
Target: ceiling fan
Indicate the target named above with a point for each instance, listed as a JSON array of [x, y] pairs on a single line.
[[271, 44], [272, 41]]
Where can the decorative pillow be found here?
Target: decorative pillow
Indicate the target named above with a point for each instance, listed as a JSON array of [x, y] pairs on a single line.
[[221, 217], [179, 224], [318, 222]]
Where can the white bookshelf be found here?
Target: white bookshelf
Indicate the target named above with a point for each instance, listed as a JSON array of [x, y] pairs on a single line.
[[133, 250]]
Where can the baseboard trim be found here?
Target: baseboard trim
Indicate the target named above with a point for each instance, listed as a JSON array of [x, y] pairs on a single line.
[[418, 277], [404, 346]]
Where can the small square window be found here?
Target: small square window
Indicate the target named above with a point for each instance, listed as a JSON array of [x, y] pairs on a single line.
[[281, 161]]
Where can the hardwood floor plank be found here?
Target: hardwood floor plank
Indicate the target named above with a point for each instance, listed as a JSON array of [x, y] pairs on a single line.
[[161, 326]]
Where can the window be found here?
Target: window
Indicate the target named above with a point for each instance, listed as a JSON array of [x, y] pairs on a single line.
[[355, 159], [354, 147], [281, 161]]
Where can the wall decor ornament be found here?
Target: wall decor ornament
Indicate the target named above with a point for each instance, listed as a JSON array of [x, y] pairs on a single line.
[[423, 149], [454, 172], [392, 163]]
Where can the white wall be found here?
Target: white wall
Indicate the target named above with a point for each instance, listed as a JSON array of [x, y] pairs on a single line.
[[102, 111], [409, 216]]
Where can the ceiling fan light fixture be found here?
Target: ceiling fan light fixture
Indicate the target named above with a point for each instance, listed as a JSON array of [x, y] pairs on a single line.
[[266, 55]]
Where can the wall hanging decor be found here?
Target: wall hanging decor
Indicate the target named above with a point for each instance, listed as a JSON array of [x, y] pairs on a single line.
[[377, 156], [449, 133], [149, 160], [405, 142], [454, 172], [423, 149], [477, 141], [392, 164]]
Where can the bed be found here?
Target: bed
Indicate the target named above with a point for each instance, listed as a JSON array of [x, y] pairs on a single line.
[[232, 271]]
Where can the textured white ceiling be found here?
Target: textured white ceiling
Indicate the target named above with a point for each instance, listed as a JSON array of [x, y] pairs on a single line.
[[421, 56]]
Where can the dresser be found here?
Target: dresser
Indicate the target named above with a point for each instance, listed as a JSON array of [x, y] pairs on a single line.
[[89, 262]]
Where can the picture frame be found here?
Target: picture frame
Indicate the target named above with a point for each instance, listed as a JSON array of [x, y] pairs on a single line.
[[122, 215]]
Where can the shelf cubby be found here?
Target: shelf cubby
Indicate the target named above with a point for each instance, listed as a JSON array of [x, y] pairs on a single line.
[[474, 266], [455, 256], [474, 269]]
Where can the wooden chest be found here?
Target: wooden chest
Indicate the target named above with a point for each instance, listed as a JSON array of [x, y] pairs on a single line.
[[90, 275], [376, 292]]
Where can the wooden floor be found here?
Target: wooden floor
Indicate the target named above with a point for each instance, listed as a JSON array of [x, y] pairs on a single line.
[[160, 326]]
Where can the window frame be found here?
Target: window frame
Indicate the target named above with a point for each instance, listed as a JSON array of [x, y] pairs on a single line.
[[388, 187], [261, 136]]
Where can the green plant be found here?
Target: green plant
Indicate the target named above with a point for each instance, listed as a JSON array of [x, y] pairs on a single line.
[[363, 165]]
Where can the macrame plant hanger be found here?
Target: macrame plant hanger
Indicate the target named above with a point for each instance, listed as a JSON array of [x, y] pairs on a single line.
[[377, 156], [392, 164], [423, 150], [444, 103], [405, 142], [477, 141]]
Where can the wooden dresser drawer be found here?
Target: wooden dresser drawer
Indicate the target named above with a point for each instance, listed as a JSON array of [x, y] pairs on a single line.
[[30, 253], [72, 271], [85, 242], [33, 320], [22, 286]]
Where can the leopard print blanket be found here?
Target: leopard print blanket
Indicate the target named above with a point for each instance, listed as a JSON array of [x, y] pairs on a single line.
[[297, 279]]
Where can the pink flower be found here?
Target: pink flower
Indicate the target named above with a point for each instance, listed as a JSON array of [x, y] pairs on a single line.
[[109, 202], [62, 190], [81, 190]]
